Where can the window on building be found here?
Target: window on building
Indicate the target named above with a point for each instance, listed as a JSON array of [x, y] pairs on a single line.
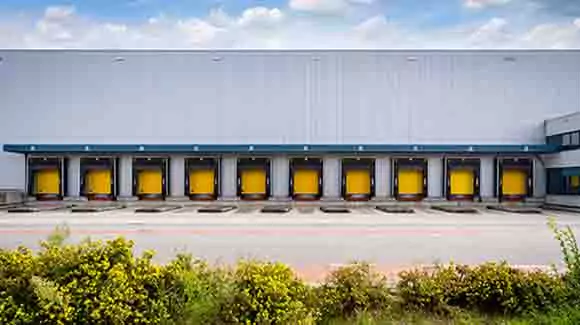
[[575, 139], [567, 139], [564, 181]]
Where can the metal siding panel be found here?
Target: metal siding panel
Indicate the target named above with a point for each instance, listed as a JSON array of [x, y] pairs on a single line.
[[435, 177], [74, 177], [487, 178], [125, 177], [228, 177], [259, 96], [383, 177], [12, 171], [539, 178], [563, 124], [570, 158], [177, 176], [331, 177], [280, 176]]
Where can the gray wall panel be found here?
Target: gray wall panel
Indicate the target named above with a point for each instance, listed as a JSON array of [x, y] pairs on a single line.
[[125, 177], [383, 177], [12, 171], [280, 177], [74, 177], [435, 177], [177, 176], [563, 124], [539, 178], [487, 178], [281, 97], [331, 174], [228, 177], [569, 158], [566, 200]]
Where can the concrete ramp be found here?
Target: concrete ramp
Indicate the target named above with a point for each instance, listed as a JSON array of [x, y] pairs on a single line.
[[276, 209], [216, 209], [334, 209], [395, 209], [515, 209], [157, 209], [95, 208], [454, 209]]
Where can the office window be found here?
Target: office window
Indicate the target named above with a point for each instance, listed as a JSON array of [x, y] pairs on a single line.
[[564, 181], [575, 139], [567, 139]]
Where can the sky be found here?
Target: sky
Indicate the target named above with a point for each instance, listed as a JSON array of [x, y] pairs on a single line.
[[290, 24]]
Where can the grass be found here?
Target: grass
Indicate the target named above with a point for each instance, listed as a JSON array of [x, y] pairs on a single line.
[[562, 316]]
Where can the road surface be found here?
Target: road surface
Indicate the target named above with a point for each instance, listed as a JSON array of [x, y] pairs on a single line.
[[309, 239]]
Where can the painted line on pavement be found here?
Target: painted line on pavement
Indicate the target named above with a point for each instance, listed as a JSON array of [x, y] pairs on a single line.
[[256, 231]]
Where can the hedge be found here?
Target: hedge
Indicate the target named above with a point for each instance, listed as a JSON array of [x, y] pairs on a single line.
[[103, 282]]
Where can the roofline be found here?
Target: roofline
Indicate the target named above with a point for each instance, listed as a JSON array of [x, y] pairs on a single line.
[[153, 50], [196, 149]]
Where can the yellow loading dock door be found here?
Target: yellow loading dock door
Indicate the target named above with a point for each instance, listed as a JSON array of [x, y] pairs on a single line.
[[306, 178], [98, 180], [358, 178], [254, 178], [150, 178], [202, 182], [515, 177], [306, 182], [253, 182], [201, 178], [45, 177], [358, 182], [462, 181], [150, 182], [514, 182], [462, 178], [47, 182], [410, 178]]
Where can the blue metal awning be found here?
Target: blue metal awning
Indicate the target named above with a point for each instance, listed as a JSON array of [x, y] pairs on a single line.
[[273, 148]]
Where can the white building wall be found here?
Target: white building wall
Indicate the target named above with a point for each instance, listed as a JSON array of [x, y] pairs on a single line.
[[280, 97], [563, 124]]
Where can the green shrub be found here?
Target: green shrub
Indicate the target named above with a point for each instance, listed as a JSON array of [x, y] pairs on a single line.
[[266, 293], [352, 290], [489, 288], [196, 292], [571, 257]]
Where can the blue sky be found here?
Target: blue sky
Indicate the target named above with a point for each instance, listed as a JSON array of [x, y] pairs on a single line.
[[290, 24]]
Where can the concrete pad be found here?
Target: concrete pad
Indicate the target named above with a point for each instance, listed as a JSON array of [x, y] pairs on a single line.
[[455, 209], [276, 209], [216, 209], [395, 209], [515, 209], [334, 209], [90, 209], [37, 208], [157, 209]]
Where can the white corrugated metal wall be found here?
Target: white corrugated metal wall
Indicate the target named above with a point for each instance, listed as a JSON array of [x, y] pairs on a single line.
[[279, 97]]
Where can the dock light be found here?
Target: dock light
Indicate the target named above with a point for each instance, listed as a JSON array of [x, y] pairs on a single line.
[[412, 58], [118, 59]]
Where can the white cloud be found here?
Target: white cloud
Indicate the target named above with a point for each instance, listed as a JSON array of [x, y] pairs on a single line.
[[58, 12], [479, 4], [261, 16], [261, 27], [492, 32], [326, 6]]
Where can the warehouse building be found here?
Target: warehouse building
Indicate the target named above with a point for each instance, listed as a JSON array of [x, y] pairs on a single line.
[[481, 126]]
